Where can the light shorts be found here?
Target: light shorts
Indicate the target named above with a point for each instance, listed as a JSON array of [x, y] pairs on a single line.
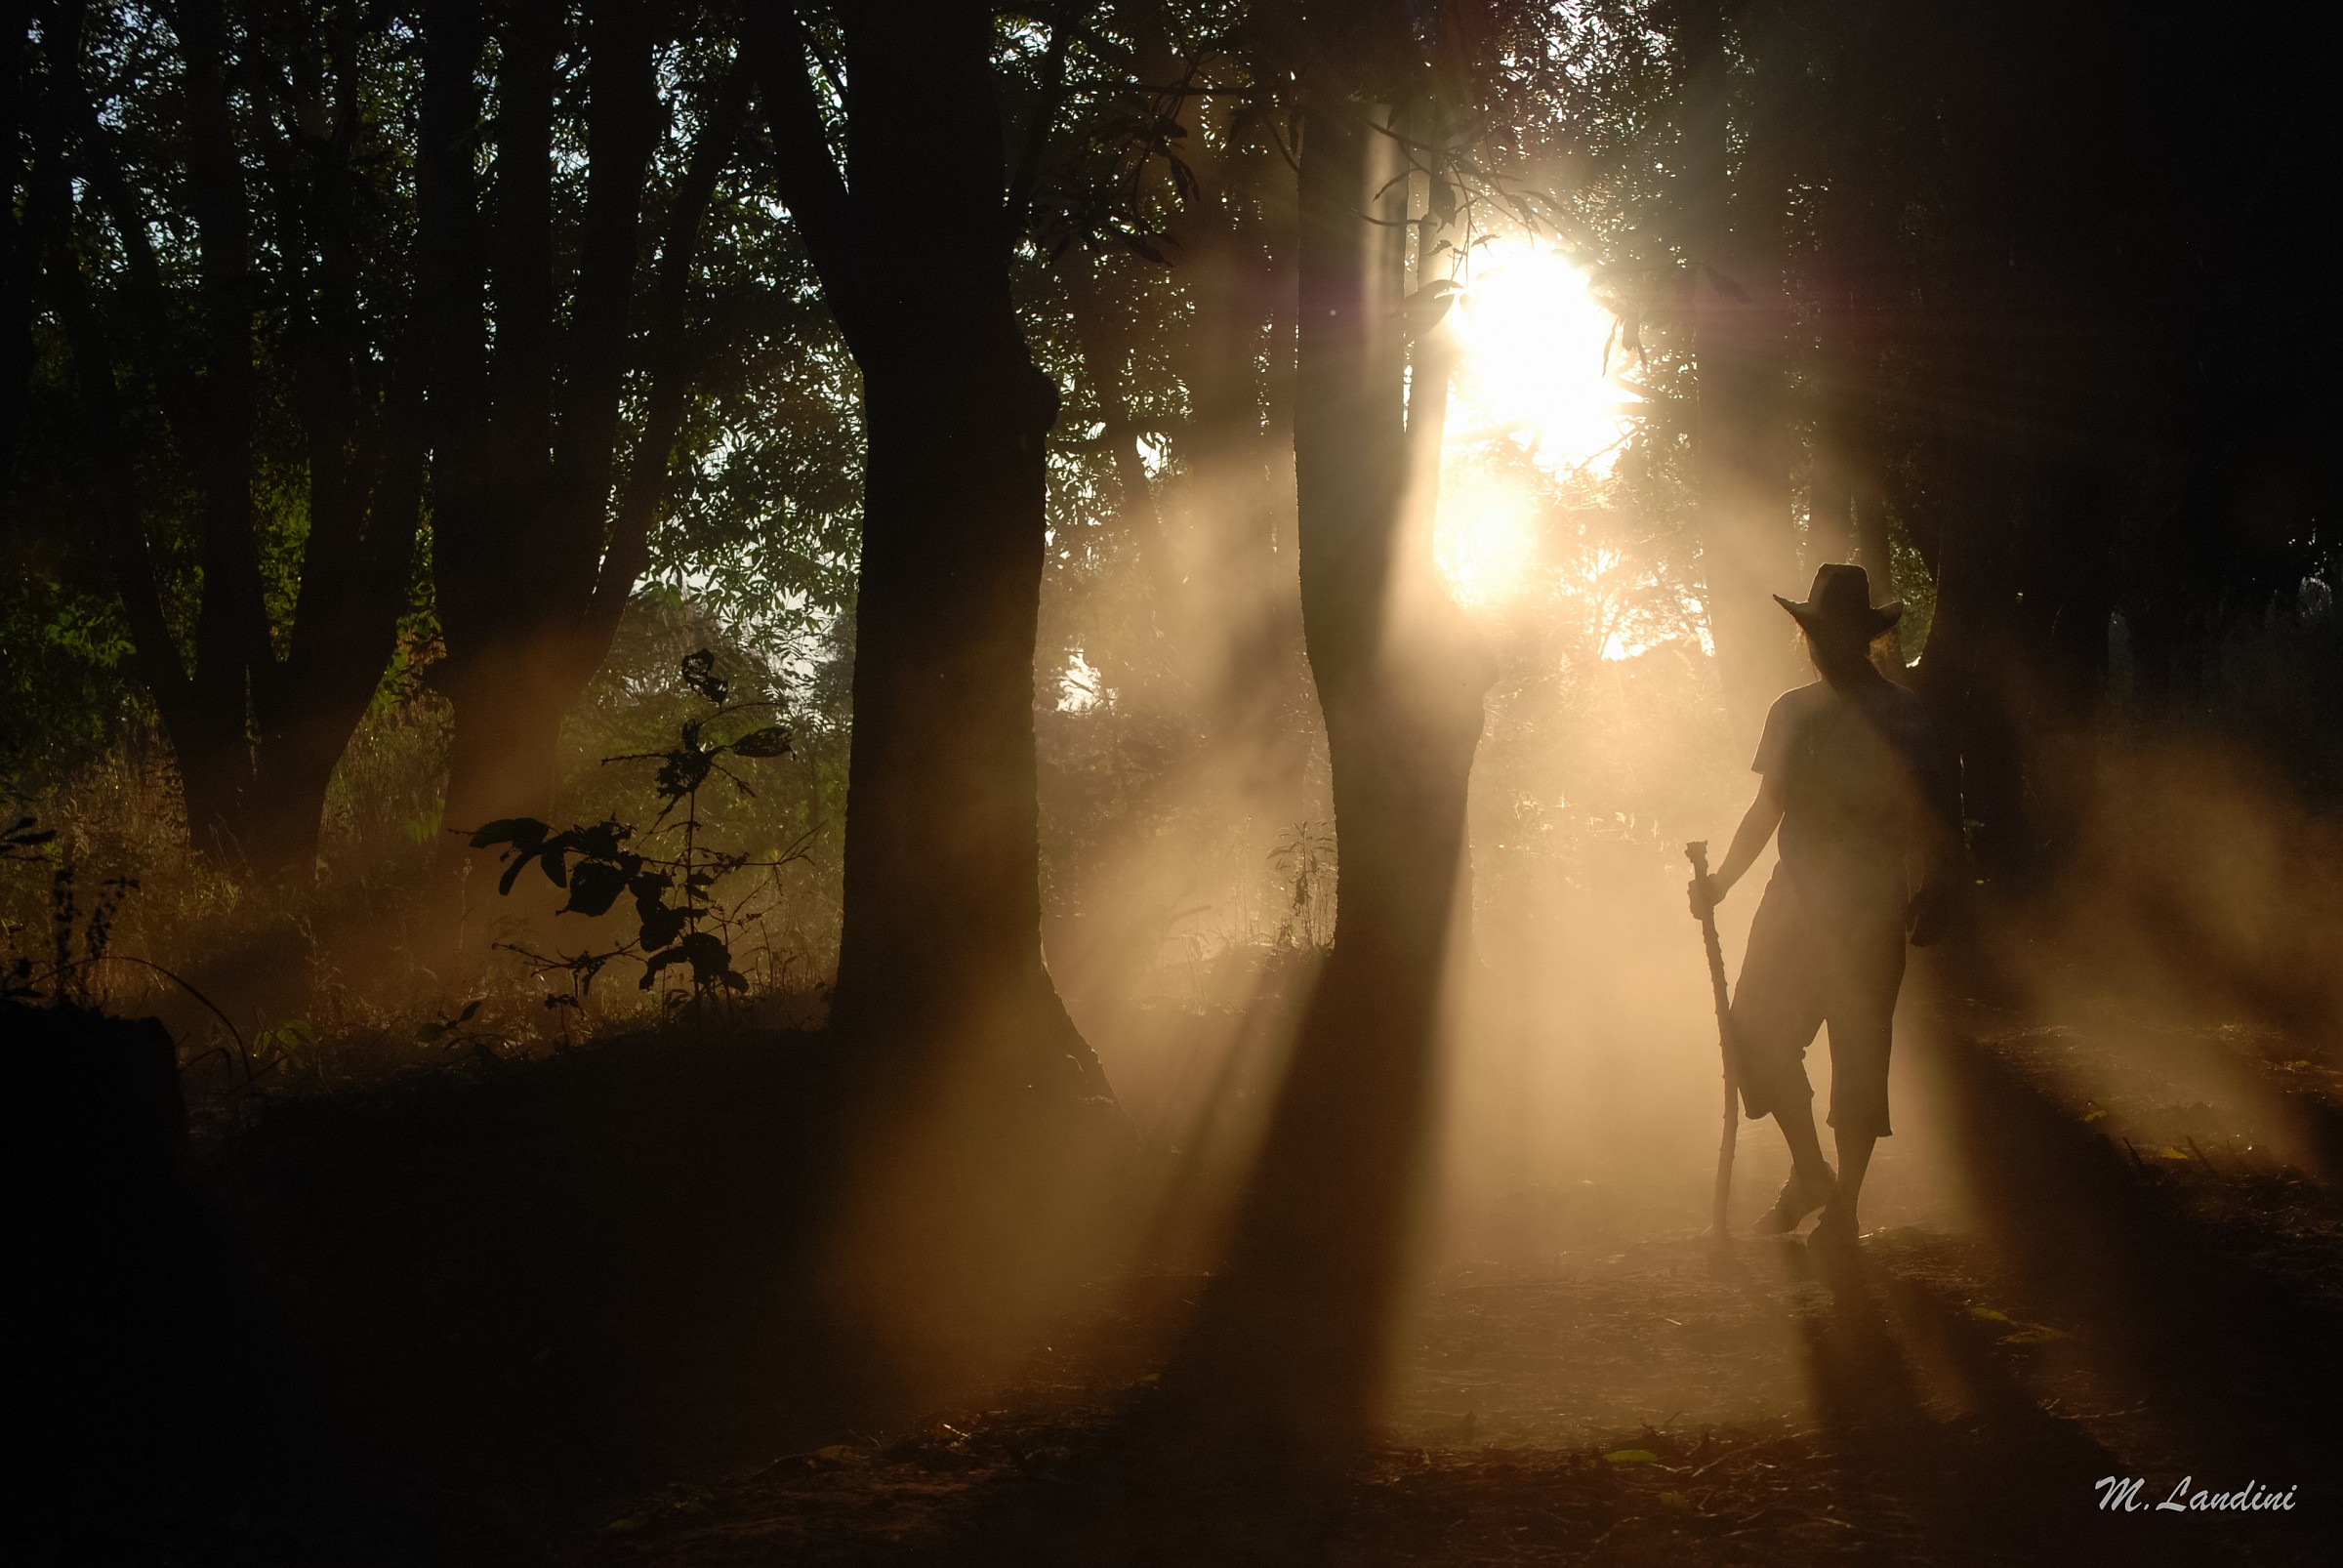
[[1814, 960]]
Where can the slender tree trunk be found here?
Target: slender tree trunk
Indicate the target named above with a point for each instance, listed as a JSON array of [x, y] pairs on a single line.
[[20, 241], [1733, 239], [255, 735], [1875, 551], [536, 556], [1291, 1348], [1233, 499], [1104, 347]]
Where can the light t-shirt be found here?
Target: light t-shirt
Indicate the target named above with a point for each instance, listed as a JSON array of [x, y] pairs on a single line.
[[1859, 775]]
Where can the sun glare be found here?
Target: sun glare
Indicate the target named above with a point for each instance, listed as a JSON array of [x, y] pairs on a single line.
[[1485, 540], [1533, 373], [1532, 368]]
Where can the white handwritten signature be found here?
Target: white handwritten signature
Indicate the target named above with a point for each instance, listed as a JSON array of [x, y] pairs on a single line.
[[2123, 1492]]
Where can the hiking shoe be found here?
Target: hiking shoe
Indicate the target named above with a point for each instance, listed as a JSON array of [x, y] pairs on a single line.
[[1799, 1198], [1835, 1232]]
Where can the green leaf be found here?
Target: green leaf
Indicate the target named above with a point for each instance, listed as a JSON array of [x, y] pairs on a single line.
[[429, 1032], [469, 1007], [1631, 1456], [1988, 1314]]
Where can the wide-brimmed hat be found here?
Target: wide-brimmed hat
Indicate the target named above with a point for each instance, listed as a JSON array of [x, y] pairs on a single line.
[[1840, 604]]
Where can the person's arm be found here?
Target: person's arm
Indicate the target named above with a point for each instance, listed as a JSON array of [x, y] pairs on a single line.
[[1757, 826]]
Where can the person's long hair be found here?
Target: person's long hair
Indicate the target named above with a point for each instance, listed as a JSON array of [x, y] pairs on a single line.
[[1841, 663]]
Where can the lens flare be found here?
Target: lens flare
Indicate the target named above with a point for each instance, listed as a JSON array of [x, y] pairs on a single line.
[[1532, 373], [1486, 540], [1534, 339]]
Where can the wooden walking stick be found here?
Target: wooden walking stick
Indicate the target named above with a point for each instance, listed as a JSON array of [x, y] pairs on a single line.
[[1698, 855]]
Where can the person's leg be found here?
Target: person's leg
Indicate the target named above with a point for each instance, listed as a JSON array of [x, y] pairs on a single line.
[[1854, 1159], [1863, 1008], [1777, 1008], [1795, 1119], [1811, 1185]]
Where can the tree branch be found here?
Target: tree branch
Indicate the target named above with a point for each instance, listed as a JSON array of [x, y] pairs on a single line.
[[620, 130], [520, 278], [130, 554], [670, 360], [1019, 207], [773, 42], [448, 239], [101, 165]]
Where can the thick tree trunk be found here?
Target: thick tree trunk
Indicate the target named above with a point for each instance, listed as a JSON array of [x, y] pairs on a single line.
[[974, 1178], [941, 944], [1291, 1348], [941, 978], [939, 960]]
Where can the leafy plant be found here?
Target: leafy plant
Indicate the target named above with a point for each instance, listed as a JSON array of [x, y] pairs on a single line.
[[432, 1032], [24, 840], [1306, 858], [679, 922]]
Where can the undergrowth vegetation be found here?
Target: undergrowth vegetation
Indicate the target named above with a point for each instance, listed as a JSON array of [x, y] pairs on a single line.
[[378, 966]]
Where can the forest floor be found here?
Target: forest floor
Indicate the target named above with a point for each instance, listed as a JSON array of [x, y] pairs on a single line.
[[2143, 1285], [554, 1312]]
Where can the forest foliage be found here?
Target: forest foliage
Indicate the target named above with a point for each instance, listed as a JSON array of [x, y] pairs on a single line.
[[360, 353]]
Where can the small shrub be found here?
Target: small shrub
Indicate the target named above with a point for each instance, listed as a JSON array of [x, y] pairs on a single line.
[[680, 921]]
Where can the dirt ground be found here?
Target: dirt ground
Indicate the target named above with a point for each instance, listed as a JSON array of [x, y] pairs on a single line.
[[557, 1312], [2140, 1275]]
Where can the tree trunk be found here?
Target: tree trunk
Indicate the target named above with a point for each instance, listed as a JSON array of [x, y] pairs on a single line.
[[255, 735], [1733, 240], [536, 557], [940, 956], [1291, 1345], [20, 241], [940, 971]]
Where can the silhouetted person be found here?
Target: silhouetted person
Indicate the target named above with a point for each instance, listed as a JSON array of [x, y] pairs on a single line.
[[1849, 771]]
